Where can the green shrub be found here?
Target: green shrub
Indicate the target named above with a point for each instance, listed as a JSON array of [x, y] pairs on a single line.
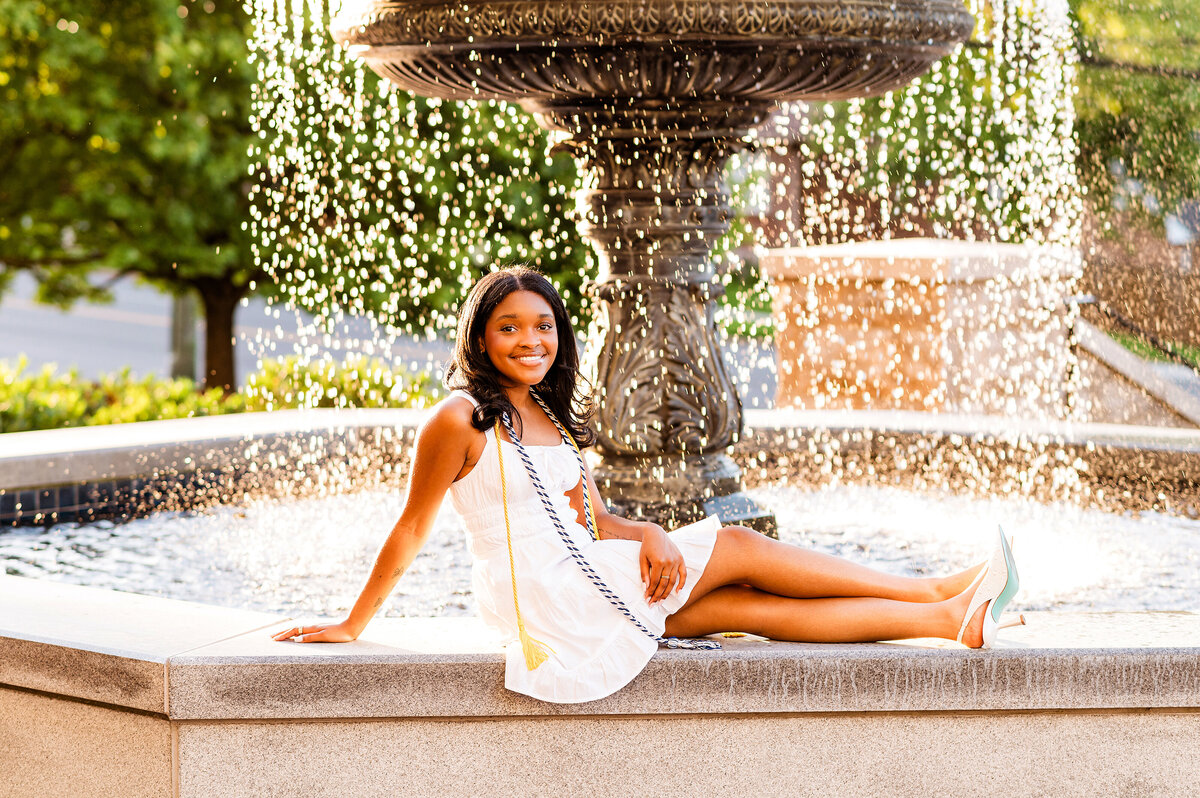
[[358, 382], [47, 399]]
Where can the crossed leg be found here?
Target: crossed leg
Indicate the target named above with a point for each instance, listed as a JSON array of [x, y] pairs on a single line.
[[758, 585]]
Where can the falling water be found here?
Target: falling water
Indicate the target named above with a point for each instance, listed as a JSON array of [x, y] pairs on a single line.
[[979, 148], [371, 204]]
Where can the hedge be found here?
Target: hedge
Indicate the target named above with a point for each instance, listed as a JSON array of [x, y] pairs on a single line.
[[47, 399]]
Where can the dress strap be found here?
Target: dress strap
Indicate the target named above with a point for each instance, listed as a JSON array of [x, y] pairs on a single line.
[[465, 395]]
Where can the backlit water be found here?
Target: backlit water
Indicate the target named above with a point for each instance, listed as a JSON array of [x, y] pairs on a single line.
[[310, 557]]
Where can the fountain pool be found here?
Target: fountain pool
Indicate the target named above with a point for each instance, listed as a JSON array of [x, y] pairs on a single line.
[[309, 556]]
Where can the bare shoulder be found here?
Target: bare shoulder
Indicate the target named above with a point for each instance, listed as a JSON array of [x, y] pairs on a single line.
[[451, 418], [449, 436]]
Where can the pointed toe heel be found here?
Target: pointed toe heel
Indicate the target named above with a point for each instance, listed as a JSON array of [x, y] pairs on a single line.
[[995, 587]]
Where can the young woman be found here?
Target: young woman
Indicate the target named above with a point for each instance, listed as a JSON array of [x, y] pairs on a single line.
[[584, 615]]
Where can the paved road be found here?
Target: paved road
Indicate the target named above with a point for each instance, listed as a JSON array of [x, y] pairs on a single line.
[[134, 331]]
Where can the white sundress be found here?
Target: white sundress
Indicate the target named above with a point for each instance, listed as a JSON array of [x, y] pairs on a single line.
[[593, 650]]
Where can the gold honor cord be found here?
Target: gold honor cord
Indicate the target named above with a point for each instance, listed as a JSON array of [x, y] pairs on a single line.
[[535, 650]]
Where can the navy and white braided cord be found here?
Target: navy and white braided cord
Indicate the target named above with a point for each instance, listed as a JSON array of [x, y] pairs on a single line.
[[576, 554]]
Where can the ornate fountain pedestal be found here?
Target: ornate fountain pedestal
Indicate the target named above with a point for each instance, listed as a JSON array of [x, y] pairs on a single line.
[[668, 409], [656, 95]]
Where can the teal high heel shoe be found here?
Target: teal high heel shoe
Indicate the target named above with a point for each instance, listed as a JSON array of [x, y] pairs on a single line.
[[995, 586]]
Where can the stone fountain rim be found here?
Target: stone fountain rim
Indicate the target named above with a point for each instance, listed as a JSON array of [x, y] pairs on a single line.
[[174, 449], [939, 24]]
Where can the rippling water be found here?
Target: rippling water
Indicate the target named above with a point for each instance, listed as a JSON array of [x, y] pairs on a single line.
[[310, 557]]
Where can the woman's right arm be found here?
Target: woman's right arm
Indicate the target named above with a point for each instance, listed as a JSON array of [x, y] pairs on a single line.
[[442, 446]]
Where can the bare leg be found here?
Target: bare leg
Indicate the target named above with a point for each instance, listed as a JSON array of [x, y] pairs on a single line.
[[744, 557], [823, 620]]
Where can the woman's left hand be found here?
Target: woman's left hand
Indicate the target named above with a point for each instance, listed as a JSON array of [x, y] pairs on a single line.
[[662, 564]]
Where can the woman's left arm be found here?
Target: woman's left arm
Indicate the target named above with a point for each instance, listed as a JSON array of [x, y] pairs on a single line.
[[661, 562]]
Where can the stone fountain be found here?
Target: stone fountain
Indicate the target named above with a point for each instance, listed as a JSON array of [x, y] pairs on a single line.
[[655, 95]]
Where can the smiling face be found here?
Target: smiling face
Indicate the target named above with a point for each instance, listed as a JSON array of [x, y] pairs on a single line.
[[521, 339]]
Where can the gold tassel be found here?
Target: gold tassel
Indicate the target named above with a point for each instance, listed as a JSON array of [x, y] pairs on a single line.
[[534, 649]]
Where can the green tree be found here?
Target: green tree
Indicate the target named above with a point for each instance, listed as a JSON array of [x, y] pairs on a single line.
[[123, 133], [127, 145], [1138, 105]]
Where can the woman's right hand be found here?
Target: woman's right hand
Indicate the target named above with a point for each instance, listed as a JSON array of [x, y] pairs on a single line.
[[318, 633]]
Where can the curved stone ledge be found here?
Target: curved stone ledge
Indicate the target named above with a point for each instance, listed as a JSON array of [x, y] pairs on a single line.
[[56, 457], [195, 662], [129, 470], [190, 700], [141, 449]]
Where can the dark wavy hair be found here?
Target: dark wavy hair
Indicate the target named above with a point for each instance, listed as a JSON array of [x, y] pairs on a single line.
[[473, 371]]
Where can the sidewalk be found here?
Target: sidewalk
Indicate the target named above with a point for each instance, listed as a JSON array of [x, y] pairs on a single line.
[[135, 330]]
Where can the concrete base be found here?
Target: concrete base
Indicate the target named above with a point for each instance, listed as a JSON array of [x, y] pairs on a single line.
[[50, 745], [1073, 704], [843, 754]]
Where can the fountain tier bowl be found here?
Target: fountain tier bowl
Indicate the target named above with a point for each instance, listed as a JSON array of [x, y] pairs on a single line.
[[616, 54]]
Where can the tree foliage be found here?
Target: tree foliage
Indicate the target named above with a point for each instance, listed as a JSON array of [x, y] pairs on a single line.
[[126, 145], [124, 133], [1139, 104]]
